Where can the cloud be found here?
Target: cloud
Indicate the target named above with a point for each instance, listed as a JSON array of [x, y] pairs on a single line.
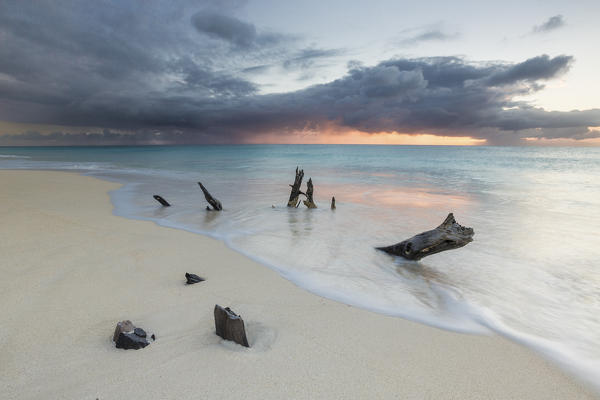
[[430, 33], [305, 58], [147, 75], [534, 69], [551, 24], [239, 33]]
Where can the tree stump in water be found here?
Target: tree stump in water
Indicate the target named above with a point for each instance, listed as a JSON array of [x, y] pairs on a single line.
[[309, 195], [216, 204], [296, 192], [449, 235], [230, 326], [333, 202], [162, 201]]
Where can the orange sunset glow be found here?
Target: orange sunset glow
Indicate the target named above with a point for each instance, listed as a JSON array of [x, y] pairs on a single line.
[[358, 137]]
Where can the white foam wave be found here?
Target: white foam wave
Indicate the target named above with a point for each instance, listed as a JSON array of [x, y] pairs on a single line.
[[577, 364]]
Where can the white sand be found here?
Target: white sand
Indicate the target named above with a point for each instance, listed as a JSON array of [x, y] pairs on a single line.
[[70, 270]]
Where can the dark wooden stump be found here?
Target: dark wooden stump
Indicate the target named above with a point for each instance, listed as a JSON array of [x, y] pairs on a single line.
[[333, 203], [230, 326], [162, 201], [309, 195], [449, 235], [216, 204], [296, 192]]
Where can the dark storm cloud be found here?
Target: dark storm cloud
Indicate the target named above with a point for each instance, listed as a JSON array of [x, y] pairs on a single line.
[[534, 69], [235, 31], [551, 24], [146, 73], [445, 95]]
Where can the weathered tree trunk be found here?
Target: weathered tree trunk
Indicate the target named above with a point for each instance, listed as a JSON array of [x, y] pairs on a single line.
[[333, 202], [449, 235], [309, 195], [296, 192], [216, 204], [161, 200], [230, 326]]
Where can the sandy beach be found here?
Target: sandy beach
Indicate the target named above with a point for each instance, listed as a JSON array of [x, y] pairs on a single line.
[[71, 270]]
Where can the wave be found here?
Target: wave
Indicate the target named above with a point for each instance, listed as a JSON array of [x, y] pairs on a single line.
[[584, 368], [13, 156]]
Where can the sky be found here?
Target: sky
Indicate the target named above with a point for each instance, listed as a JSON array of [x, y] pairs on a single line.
[[370, 72]]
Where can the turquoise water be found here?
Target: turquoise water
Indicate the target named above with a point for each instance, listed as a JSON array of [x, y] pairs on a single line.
[[532, 273]]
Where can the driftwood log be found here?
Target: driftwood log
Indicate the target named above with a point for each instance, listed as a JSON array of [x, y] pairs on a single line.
[[215, 204], [230, 326], [162, 201], [296, 192], [309, 195], [449, 235], [333, 203]]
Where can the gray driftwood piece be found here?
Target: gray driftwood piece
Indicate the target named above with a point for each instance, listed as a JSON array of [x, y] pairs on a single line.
[[296, 192], [309, 195], [333, 202], [216, 204], [230, 326], [449, 235], [162, 201]]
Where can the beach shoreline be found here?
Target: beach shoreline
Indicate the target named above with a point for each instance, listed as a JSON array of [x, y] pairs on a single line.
[[72, 270]]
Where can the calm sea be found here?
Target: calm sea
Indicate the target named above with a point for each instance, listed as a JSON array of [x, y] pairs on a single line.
[[532, 273]]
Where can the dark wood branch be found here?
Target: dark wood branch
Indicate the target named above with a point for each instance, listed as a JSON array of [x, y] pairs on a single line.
[[449, 235], [161, 200], [230, 326], [296, 192], [333, 202], [309, 195], [216, 204]]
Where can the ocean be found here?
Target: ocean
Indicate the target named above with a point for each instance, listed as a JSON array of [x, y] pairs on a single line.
[[532, 273]]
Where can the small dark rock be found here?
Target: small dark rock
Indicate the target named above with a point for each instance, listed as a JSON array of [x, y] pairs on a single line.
[[192, 278], [153, 337], [140, 332], [123, 326], [129, 341]]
